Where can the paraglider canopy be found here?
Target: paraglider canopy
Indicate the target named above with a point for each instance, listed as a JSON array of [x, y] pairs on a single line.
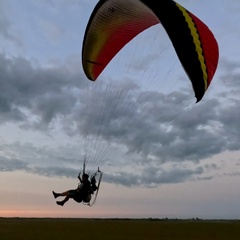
[[114, 23]]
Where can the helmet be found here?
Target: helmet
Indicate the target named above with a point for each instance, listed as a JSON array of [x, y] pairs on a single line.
[[85, 176]]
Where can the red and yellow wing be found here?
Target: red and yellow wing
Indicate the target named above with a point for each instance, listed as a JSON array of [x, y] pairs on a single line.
[[114, 23]]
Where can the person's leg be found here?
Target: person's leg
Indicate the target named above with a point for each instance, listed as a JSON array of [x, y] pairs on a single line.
[[68, 194]]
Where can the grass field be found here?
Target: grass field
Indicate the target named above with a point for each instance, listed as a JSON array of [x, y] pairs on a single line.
[[116, 229]]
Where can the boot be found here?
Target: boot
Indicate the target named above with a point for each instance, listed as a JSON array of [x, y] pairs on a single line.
[[55, 194], [61, 203]]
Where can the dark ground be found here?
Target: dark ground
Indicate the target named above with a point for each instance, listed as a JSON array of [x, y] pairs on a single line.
[[116, 229]]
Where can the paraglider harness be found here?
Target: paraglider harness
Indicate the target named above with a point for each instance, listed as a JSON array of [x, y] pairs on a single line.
[[95, 180]]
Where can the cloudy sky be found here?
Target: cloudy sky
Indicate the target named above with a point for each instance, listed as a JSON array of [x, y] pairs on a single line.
[[161, 154]]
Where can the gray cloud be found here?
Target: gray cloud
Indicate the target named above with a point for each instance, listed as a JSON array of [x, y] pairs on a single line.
[[152, 176], [118, 122], [45, 93], [9, 165]]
